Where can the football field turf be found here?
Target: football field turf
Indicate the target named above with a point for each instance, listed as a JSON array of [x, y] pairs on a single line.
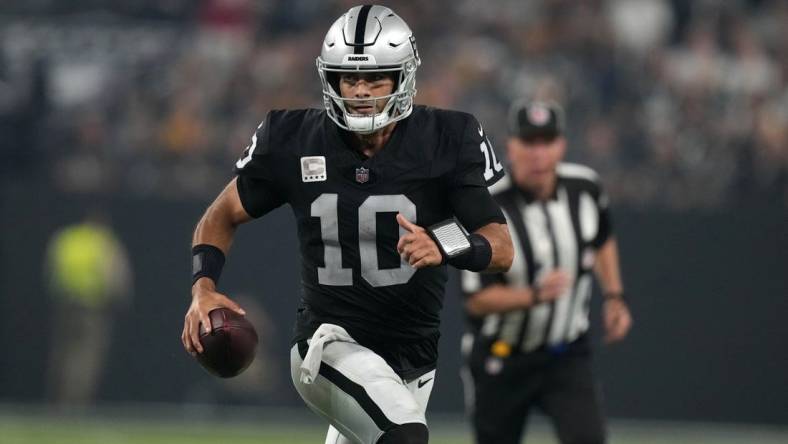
[[18, 428]]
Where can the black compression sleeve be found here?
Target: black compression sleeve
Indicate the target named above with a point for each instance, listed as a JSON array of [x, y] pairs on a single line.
[[475, 207]]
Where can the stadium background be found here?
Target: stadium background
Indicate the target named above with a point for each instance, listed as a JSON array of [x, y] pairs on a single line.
[[141, 107]]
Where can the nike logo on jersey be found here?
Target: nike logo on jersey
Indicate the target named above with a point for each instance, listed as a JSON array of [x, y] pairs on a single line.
[[422, 383]]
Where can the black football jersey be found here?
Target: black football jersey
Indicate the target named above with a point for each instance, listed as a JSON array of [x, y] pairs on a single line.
[[436, 165]]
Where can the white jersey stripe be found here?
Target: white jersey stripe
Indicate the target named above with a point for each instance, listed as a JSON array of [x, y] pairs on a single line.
[[580, 314], [567, 262], [536, 226]]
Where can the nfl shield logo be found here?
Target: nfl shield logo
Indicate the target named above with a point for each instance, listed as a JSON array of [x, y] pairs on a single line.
[[362, 175], [538, 115]]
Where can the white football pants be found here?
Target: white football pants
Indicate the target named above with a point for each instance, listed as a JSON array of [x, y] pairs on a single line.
[[355, 390]]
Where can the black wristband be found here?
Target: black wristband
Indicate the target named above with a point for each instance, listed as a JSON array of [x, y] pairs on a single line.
[[207, 261], [609, 296], [477, 258]]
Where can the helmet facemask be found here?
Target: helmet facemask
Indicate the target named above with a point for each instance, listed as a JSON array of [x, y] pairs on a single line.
[[399, 104]]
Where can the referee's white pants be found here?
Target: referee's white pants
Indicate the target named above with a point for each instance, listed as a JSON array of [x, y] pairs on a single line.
[[358, 393]]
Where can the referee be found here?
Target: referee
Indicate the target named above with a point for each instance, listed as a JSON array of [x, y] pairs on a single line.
[[528, 344]]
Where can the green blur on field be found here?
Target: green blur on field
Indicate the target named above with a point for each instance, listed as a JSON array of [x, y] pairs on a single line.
[[42, 428]]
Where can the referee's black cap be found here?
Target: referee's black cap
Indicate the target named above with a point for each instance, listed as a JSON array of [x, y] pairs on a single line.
[[536, 120]]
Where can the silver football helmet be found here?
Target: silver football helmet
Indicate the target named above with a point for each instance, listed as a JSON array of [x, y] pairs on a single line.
[[369, 38]]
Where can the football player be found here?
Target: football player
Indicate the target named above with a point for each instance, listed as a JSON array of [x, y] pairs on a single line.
[[385, 195]]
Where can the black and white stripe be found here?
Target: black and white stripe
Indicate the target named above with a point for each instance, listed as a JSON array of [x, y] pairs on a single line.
[[361, 29], [563, 232], [363, 26]]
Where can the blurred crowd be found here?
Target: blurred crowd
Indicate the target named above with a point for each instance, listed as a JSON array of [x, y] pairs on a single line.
[[678, 104]]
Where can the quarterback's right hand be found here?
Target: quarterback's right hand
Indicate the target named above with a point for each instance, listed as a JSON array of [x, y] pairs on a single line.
[[204, 299], [551, 286]]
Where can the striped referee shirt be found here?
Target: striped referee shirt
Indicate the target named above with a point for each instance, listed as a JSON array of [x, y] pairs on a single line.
[[563, 232]]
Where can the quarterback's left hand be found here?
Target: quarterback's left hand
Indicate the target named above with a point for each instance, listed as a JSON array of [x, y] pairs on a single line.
[[617, 319], [417, 247]]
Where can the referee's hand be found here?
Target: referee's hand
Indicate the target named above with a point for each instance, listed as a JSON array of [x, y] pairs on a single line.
[[552, 285], [617, 320]]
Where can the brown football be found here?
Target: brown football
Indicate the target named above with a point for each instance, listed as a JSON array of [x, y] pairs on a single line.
[[230, 346]]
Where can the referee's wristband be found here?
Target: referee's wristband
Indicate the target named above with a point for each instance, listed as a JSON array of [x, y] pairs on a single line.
[[207, 261]]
